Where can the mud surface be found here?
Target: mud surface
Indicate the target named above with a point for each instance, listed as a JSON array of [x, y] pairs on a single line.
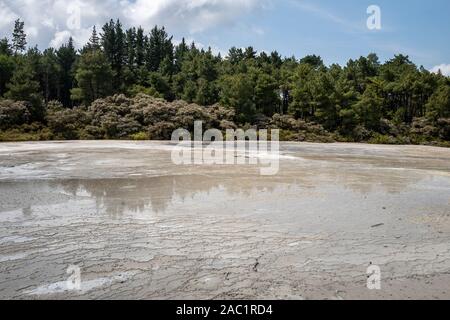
[[140, 227]]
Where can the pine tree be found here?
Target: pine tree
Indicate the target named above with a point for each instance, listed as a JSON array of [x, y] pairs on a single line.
[[119, 56], [250, 53], [235, 55], [180, 52], [50, 70], [140, 47], [275, 59], [19, 37], [108, 40], [5, 47], [94, 41], [438, 105], [159, 47], [237, 92], [131, 48], [24, 87], [66, 59], [115, 50], [313, 60], [7, 65], [94, 77]]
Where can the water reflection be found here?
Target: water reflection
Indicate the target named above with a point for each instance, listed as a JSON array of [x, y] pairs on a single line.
[[158, 193], [139, 194]]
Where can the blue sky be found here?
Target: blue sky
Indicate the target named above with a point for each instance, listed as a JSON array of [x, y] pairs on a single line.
[[336, 30]]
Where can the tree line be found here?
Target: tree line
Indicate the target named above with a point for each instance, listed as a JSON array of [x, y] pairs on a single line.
[[363, 100]]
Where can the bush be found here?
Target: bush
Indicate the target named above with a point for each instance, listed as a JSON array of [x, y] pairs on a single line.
[[382, 139], [67, 123], [127, 126], [138, 89], [292, 129], [149, 111], [161, 130], [444, 128], [33, 132], [140, 136], [424, 128], [361, 133], [284, 122], [226, 124], [13, 113], [121, 117], [146, 117], [92, 133], [54, 106], [188, 114]]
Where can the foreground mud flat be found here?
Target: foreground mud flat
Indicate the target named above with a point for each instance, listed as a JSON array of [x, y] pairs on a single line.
[[140, 227]]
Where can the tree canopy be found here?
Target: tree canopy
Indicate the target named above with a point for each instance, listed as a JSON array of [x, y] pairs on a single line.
[[364, 99]]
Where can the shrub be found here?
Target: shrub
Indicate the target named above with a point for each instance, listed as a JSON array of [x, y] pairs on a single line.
[[360, 133], [67, 123], [92, 133], [138, 89], [53, 106], [128, 126], [444, 128], [284, 122], [188, 114], [382, 139], [140, 136], [161, 130], [424, 127], [149, 111], [13, 113], [292, 129]]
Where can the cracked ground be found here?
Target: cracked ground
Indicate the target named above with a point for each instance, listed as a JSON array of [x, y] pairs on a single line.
[[139, 227]]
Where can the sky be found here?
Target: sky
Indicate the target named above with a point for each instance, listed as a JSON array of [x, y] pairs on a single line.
[[335, 30]]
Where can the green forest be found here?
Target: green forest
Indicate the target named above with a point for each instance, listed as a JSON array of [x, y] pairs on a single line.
[[137, 84]]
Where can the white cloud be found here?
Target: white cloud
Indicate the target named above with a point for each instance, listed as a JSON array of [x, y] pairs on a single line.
[[60, 38], [445, 69], [49, 21], [192, 15], [7, 16]]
